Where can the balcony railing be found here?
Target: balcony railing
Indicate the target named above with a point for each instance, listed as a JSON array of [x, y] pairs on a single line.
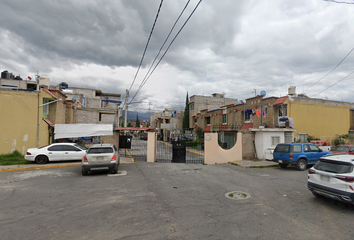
[[226, 127]]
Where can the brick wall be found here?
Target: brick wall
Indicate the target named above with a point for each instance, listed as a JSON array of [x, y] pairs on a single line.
[[248, 151]]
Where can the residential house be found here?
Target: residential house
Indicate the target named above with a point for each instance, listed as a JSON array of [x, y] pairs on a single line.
[[94, 106], [199, 103], [27, 117], [260, 121], [168, 123]]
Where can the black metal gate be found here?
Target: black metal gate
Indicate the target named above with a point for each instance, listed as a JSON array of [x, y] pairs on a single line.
[[179, 152], [137, 149]]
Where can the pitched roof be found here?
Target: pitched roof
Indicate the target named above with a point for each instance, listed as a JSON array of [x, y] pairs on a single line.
[[48, 122], [280, 100]]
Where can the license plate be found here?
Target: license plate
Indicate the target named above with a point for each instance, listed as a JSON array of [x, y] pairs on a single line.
[[325, 178], [280, 161], [99, 168], [99, 158]]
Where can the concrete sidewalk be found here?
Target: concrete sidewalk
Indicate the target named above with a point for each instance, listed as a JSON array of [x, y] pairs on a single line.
[[255, 163], [33, 166]]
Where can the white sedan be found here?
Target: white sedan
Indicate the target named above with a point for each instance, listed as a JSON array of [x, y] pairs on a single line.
[[56, 152]]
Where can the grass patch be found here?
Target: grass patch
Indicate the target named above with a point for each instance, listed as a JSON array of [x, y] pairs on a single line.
[[14, 158]]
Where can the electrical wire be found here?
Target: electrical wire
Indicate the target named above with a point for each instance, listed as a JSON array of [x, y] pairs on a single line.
[[168, 35], [335, 83], [144, 82], [331, 70], [141, 61]]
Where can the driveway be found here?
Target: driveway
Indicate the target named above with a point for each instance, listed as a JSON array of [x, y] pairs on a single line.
[[168, 201]]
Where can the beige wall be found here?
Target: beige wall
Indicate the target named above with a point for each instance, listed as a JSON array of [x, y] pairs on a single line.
[[214, 154], [151, 146], [19, 112], [319, 120]]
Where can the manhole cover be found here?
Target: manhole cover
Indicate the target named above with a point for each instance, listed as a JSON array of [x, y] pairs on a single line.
[[237, 195]]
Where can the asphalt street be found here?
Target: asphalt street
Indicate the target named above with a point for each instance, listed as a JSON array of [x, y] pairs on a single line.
[[168, 201]]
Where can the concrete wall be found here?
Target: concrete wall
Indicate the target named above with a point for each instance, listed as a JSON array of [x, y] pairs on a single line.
[[248, 150], [319, 120], [214, 154], [263, 141], [114, 139], [19, 112]]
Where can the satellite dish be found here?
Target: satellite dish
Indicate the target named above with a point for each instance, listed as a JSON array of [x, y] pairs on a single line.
[[74, 99], [263, 93], [239, 102], [215, 108]]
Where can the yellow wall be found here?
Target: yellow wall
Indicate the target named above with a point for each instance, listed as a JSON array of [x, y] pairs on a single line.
[[319, 120], [18, 121]]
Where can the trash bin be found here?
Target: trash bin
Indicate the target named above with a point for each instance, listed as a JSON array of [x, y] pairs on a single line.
[[179, 151]]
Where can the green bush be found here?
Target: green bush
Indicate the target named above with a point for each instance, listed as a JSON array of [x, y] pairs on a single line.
[[195, 144]]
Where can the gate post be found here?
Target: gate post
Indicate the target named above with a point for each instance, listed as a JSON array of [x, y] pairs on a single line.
[[151, 146]]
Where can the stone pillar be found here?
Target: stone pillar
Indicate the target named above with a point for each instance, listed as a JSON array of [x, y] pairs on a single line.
[[151, 146]]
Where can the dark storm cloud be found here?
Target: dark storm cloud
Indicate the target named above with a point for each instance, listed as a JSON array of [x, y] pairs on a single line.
[[227, 46]]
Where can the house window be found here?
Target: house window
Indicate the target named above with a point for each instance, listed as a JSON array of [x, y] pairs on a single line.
[[208, 120], [191, 107], [275, 141], [248, 115], [45, 107], [224, 118], [283, 111]]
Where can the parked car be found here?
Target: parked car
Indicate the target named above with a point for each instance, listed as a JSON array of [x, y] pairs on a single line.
[[343, 149], [56, 152], [101, 157], [143, 136], [298, 154], [333, 177]]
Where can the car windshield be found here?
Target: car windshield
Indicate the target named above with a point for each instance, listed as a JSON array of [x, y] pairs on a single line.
[[81, 147], [282, 148], [100, 150], [333, 166], [341, 149]]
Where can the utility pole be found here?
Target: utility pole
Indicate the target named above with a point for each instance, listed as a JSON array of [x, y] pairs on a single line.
[[126, 107]]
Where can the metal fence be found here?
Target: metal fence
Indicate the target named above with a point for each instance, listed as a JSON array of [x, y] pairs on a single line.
[[165, 151]]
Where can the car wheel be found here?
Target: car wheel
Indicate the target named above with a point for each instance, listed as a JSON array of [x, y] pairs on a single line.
[[115, 171], [41, 159], [301, 164], [316, 194], [283, 165], [83, 172]]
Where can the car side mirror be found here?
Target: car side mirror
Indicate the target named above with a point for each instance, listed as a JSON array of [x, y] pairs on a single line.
[[321, 150]]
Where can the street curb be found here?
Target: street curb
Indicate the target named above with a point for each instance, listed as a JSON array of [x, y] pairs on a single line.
[[254, 166], [43, 167]]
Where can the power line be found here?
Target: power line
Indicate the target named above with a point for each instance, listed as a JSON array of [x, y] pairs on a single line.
[[335, 83], [168, 35], [141, 61], [331, 70], [143, 83]]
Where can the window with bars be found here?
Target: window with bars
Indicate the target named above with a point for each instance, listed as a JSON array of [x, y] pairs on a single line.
[[275, 141], [45, 107]]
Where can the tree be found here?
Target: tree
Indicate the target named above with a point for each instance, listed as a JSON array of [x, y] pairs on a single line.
[[137, 121], [185, 124]]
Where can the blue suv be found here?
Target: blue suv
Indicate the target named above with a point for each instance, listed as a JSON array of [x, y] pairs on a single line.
[[298, 154]]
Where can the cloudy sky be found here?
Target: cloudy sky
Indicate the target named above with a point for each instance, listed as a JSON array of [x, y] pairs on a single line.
[[234, 47]]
